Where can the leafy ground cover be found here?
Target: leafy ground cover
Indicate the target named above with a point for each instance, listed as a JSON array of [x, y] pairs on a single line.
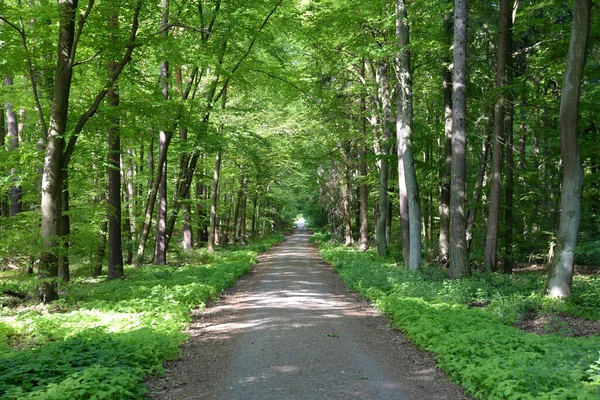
[[102, 338], [469, 325]]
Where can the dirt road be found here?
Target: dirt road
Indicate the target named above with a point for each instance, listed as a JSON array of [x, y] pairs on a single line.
[[291, 330]]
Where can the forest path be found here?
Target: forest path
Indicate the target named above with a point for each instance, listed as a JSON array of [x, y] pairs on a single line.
[[290, 329]]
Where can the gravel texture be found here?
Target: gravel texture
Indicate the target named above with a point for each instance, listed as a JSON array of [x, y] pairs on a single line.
[[290, 329]]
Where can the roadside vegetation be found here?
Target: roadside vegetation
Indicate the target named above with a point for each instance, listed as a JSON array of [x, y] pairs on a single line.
[[471, 325], [104, 337]]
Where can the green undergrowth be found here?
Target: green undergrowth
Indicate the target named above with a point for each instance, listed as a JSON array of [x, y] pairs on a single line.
[[468, 325], [103, 338]]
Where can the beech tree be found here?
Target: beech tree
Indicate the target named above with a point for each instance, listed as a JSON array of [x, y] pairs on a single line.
[[459, 263], [560, 275]]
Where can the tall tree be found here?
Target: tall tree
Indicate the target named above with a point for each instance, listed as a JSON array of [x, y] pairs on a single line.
[[404, 131], [444, 203], [490, 261], [560, 275], [113, 175], [52, 180], [382, 219], [160, 253], [12, 135], [459, 264]]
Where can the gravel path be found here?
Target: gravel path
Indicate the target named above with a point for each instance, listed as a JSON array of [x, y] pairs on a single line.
[[291, 330]]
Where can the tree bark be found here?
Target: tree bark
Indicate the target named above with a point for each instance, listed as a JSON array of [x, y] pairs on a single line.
[[485, 149], [459, 264], [490, 261], [113, 174], [444, 203], [364, 218], [384, 94], [52, 179], [214, 197], [560, 276], [160, 253], [12, 135], [404, 130], [508, 261], [345, 190]]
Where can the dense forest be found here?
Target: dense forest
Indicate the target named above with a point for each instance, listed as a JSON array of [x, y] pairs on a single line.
[[136, 128], [461, 136]]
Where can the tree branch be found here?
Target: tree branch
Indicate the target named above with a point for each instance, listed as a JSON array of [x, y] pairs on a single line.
[[247, 53], [109, 84], [82, 20]]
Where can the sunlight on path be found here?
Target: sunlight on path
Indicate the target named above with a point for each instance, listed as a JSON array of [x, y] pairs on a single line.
[[293, 331]]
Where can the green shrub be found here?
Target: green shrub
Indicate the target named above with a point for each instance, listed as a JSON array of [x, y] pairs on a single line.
[[478, 346], [103, 337]]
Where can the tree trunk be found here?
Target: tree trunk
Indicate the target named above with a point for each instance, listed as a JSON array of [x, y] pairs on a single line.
[[12, 135], [508, 263], [160, 253], [254, 214], [52, 180], [64, 273], [485, 149], [364, 217], [444, 204], [405, 132], [214, 197], [560, 276], [113, 174], [242, 217], [459, 264], [346, 189], [150, 203], [130, 195], [384, 94], [490, 261], [4, 207]]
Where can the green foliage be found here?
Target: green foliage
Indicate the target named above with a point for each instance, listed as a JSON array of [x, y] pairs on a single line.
[[103, 338], [479, 347]]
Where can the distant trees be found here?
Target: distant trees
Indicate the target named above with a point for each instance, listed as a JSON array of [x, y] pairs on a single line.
[[513, 90]]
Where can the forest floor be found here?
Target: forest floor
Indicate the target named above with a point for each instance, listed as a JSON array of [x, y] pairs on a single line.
[[291, 329]]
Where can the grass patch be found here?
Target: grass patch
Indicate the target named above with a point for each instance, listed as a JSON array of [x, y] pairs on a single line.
[[478, 346], [103, 338]]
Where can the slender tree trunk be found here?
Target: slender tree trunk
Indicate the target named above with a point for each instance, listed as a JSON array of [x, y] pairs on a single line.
[[65, 230], [213, 203], [364, 217], [254, 214], [444, 204], [405, 131], [508, 263], [150, 203], [560, 276], [113, 173], [384, 94], [345, 190], [160, 254], [212, 230], [477, 191], [52, 180], [101, 249], [12, 135], [131, 206], [4, 207], [459, 264], [243, 206], [490, 261]]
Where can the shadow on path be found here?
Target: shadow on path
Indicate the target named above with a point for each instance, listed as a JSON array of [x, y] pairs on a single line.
[[292, 330]]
